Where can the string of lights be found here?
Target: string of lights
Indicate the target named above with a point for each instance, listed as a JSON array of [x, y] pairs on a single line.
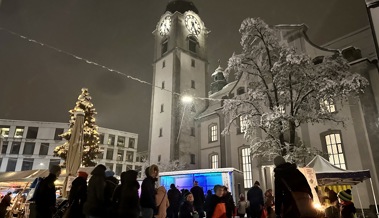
[[102, 66]]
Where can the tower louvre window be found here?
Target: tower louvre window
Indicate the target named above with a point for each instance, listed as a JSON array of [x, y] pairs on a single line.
[[164, 46], [192, 131], [162, 107], [163, 85], [192, 44], [193, 63], [160, 132], [193, 84], [163, 64]]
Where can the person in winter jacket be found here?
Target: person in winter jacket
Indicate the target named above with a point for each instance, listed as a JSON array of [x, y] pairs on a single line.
[[242, 206], [207, 200], [187, 209], [333, 211], [78, 195], [199, 198], [255, 197], [125, 197], [95, 207], [288, 173], [45, 197], [162, 202], [217, 207], [347, 208], [174, 198], [147, 200], [110, 185], [229, 203], [5, 202]]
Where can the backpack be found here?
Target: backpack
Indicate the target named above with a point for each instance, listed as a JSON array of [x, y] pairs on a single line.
[[33, 187]]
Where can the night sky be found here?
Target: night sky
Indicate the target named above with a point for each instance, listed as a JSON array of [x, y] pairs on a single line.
[[41, 84]]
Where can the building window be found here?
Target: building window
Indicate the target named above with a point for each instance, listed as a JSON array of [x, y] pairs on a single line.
[[193, 159], [333, 142], [111, 139], [163, 64], [109, 165], [109, 154], [1, 161], [44, 149], [19, 132], [55, 162], [129, 167], [27, 164], [132, 142], [192, 131], [162, 108], [193, 84], [327, 105], [120, 155], [129, 156], [164, 46], [246, 167], [101, 154], [121, 141], [58, 131], [214, 161], [139, 170], [4, 148], [118, 169], [282, 109], [240, 90], [32, 133], [159, 158], [4, 131], [193, 108], [192, 44], [241, 125], [11, 166], [101, 138], [213, 132], [160, 132], [163, 85], [29, 148], [193, 63], [15, 149]]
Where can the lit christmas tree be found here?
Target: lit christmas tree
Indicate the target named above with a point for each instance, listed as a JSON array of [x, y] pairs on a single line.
[[90, 131]]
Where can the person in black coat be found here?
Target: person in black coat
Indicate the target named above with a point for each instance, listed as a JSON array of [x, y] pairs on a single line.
[[125, 197], [78, 195], [174, 198], [288, 173], [5, 202], [187, 209], [95, 204], [255, 197], [214, 200], [45, 197], [147, 200], [111, 183], [207, 200], [229, 202], [199, 198]]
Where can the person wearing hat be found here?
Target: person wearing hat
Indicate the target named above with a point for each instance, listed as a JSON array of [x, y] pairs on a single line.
[[78, 195], [255, 197], [287, 175], [187, 209], [45, 197], [347, 208]]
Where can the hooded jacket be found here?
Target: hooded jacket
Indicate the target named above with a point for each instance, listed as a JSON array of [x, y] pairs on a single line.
[[45, 197], [162, 202], [125, 196], [95, 204], [296, 181], [77, 197], [148, 190]]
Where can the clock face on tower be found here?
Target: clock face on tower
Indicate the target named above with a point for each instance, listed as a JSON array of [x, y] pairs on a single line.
[[192, 24], [164, 27]]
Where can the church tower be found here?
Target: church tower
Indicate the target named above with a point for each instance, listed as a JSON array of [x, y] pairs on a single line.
[[180, 69]]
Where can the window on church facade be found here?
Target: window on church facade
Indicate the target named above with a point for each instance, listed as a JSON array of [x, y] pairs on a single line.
[[192, 44], [164, 46], [160, 132], [327, 105], [192, 131], [193, 84], [241, 125], [163, 64], [159, 158], [246, 166], [214, 161], [213, 132], [162, 107], [333, 142], [193, 63], [193, 159], [163, 85]]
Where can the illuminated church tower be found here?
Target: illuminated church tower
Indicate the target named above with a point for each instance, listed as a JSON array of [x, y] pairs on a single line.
[[180, 67]]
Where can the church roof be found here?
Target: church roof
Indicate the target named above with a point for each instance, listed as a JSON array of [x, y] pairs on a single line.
[[181, 6]]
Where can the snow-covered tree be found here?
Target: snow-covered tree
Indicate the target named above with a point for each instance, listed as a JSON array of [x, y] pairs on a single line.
[[285, 89], [90, 131]]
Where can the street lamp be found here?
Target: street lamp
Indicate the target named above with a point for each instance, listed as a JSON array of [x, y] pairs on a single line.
[[187, 100]]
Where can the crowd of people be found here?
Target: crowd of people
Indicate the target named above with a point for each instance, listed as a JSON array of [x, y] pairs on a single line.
[[103, 197]]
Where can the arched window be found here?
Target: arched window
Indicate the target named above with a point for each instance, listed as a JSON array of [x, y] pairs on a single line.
[[332, 143], [213, 160], [192, 44], [213, 132], [241, 125], [240, 90], [327, 105], [245, 166]]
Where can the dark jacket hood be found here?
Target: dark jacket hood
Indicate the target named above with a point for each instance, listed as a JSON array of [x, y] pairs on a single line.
[[99, 170], [284, 168]]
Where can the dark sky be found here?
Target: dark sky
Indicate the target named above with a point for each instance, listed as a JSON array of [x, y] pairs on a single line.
[[41, 84]]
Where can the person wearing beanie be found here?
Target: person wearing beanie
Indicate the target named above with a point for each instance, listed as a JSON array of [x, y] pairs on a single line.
[[187, 209], [347, 208], [147, 200], [95, 203], [287, 175], [78, 195], [45, 197], [255, 197]]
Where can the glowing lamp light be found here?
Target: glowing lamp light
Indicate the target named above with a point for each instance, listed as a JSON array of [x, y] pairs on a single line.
[[317, 206], [187, 99]]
